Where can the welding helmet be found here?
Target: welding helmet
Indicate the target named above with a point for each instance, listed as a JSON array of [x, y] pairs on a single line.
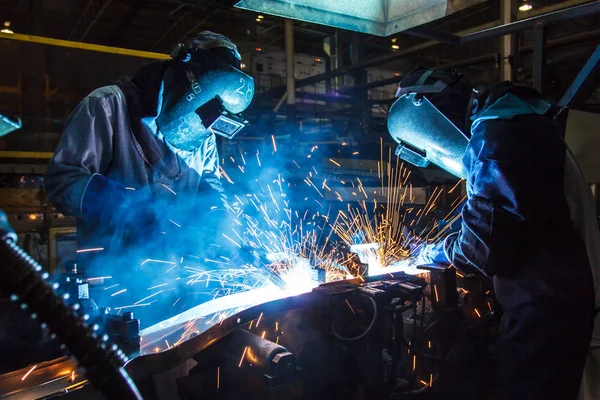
[[429, 120], [205, 92]]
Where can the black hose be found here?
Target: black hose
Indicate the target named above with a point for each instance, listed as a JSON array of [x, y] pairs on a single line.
[[20, 277]]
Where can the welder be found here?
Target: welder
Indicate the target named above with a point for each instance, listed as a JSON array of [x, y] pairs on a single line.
[[138, 166], [528, 221]]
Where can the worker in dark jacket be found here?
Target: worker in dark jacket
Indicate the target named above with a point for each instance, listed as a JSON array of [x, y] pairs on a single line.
[[528, 221], [138, 165]]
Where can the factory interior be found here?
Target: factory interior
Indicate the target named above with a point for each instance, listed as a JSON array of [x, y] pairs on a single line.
[[300, 199]]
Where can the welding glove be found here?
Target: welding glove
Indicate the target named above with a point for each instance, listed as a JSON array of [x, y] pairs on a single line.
[[433, 253], [110, 203]]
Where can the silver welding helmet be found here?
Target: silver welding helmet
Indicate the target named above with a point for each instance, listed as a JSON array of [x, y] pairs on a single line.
[[205, 92], [427, 123]]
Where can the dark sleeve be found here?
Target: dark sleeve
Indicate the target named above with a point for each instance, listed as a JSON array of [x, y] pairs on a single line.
[[513, 171], [85, 149]]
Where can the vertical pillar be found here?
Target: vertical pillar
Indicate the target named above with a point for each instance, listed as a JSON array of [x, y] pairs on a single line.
[[539, 57], [508, 14], [290, 65]]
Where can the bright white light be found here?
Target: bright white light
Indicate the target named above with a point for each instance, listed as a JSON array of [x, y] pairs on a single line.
[[525, 7]]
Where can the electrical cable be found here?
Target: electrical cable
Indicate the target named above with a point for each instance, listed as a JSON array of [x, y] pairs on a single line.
[[352, 339]]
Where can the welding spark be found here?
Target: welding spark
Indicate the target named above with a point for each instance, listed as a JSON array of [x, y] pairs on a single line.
[[231, 240], [274, 144], [335, 162], [477, 312], [157, 261], [218, 377], [169, 189], [148, 297], [263, 334], [437, 300], [110, 287], [157, 286], [119, 292], [90, 250], [72, 376], [414, 362], [258, 322], [243, 356], [351, 309], [28, 372], [98, 278], [132, 306], [175, 223]]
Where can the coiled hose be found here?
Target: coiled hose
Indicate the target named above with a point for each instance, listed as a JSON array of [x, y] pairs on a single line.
[[20, 276]]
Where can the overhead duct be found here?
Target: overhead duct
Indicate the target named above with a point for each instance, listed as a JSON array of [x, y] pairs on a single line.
[[375, 17]]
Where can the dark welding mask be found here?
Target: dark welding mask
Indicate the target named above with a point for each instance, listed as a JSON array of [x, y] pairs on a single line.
[[427, 133], [205, 92]]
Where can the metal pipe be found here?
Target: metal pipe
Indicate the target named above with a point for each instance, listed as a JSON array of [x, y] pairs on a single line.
[[290, 65], [582, 76]]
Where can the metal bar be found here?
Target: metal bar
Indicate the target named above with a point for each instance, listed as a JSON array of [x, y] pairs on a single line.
[[581, 77], [506, 29], [84, 46], [431, 34], [539, 57], [26, 154]]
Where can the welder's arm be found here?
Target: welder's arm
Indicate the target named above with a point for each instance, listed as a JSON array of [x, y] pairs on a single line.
[[74, 181], [85, 149], [491, 236]]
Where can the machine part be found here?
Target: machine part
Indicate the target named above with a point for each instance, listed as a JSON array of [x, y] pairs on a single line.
[[442, 283], [425, 135], [7, 125], [123, 330], [23, 280]]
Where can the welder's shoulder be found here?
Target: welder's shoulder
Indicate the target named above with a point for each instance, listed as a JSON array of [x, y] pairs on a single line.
[[109, 96]]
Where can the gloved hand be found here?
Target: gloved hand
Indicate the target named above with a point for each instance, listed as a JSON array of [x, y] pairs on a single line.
[[432, 253], [110, 203]]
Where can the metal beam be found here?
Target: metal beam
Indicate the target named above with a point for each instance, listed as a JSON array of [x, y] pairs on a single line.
[[508, 14], [84, 46], [426, 33], [580, 79], [539, 57], [506, 29]]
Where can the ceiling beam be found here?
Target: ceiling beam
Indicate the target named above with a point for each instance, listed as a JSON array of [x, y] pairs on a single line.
[[87, 20]]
